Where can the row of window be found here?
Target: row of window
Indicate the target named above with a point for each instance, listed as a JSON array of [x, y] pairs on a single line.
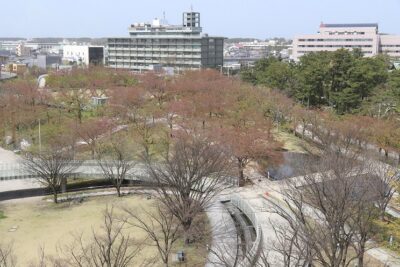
[[153, 41], [336, 40], [173, 53], [391, 51], [141, 33], [390, 45], [339, 46], [346, 33], [120, 64], [155, 46], [148, 59], [305, 52]]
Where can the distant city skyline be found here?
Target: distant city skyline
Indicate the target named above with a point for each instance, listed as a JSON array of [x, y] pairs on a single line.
[[237, 18]]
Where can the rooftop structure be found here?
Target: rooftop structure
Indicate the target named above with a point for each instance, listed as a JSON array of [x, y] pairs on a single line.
[[151, 45], [364, 36]]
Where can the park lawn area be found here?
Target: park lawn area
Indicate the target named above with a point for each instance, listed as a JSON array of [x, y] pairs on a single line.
[[385, 230], [292, 143], [40, 223]]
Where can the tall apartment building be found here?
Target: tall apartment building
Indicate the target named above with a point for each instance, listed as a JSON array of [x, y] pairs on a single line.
[[156, 45], [349, 36]]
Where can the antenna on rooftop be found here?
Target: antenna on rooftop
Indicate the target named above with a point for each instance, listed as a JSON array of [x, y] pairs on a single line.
[[191, 7], [164, 15]]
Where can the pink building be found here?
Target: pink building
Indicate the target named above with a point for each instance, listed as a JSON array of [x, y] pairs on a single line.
[[349, 36]]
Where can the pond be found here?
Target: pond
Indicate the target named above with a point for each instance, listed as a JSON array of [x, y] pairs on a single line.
[[292, 166]]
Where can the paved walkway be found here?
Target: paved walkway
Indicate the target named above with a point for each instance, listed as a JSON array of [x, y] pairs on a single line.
[[8, 157], [14, 185], [224, 237], [383, 255]]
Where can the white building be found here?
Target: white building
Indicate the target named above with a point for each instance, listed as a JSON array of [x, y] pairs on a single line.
[[83, 54], [44, 47], [332, 37], [21, 50]]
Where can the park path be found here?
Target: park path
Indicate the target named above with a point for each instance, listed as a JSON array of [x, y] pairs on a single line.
[[223, 231], [8, 157], [387, 257]]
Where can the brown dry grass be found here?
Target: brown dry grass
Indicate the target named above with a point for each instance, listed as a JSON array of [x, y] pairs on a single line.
[[44, 224]]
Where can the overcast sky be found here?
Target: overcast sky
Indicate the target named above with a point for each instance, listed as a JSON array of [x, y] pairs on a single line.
[[233, 18]]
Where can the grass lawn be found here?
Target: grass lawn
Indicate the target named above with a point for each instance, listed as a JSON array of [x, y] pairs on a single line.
[[293, 143], [386, 229], [39, 223], [2, 216]]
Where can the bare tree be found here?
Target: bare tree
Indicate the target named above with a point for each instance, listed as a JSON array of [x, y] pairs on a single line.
[[51, 167], [384, 186], [7, 257], [144, 131], [189, 178], [363, 225], [109, 247], [116, 162], [161, 227], [92, 130], [329, 210], [289, 244]]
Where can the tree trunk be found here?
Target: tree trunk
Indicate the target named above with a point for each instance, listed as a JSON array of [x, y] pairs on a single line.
[[186, 228], [79, 115], [118, 190], [241, 172], [55, 195], [14, 134], [361, 254]]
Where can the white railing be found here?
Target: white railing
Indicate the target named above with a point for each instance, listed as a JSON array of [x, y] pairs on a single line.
[[252, 255], [90, 168]]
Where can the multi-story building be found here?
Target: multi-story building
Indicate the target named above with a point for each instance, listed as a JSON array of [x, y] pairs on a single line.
[[390, 45], [44, 47], [151, 46], [349, 36], [84, 54], [22, 50]]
